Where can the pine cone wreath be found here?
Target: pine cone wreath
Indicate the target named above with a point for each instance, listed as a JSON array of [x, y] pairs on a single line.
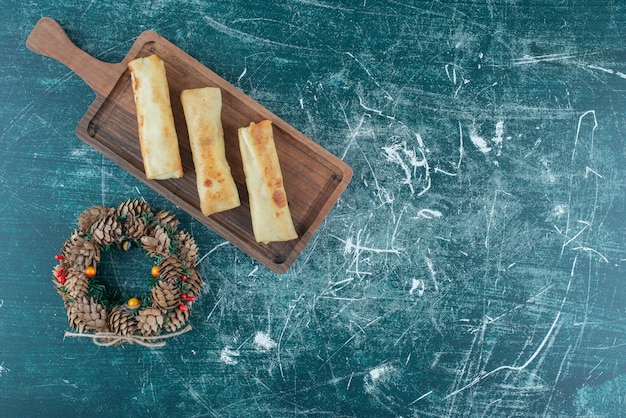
[[91, 307], [87, 315], [92, 215], [149, 321], [176, 319], [107, 230], [165, 295], [122, 322], [80, 252]]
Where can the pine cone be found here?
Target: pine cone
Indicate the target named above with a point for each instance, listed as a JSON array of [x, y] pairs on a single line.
[[122, 322], [87, 315], [165, 295], [76, 284], [80, 252], [149, 244], [135, 227], [194, 283], [188, 250], [176, 319], [166, 219], [133, 208], [170, 269], [90, 216], [158, 243], [149, 321], [107, 230]]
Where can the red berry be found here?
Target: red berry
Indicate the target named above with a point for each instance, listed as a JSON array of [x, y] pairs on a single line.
[[184, 278], [62, 280], [59, 273], [59, 257], [190, 298], [182, 307], [183, 296]]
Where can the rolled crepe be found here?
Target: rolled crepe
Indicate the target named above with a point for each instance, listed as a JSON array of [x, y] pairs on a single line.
[[155, 121], [203, 113], [271, 218]]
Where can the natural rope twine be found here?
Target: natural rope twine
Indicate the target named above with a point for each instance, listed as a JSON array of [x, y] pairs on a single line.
[[107, 339]]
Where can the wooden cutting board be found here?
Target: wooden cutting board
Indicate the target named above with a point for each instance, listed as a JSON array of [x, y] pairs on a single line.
[[313, 177]]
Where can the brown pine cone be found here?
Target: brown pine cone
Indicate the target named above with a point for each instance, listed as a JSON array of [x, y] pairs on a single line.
[[122, 322], [87, 315], [76, 284], [107, 230], [134, 208], [149, 244], [158, 243], [165, 295], [194, 283], [188, 250], [176, 319], [135, 227], [90, 216], [170, 269], [149, 321], [166, 219], [80, 252]]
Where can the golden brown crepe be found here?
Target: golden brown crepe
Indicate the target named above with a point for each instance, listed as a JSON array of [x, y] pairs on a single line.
[[155, 121], [203, 112], [271, 218]]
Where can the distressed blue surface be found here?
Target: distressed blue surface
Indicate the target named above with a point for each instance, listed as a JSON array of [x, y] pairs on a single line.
[[475, 266]]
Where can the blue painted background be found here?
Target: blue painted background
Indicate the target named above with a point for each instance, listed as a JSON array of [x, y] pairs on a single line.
[[475, 266]]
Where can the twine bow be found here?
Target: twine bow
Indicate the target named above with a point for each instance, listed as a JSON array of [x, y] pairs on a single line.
[[107, 339]]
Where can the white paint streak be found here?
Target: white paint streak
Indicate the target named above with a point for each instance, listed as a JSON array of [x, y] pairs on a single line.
[[212, 250], [409, 162], [607, 70], [512, 368], [263, 342], [499, 137], [229, 356], [528, 59], [387, 95], [421, 397], [479, 141], [428, 214], [243, 73], [417, 286], [380, 374], [433, 273], [3, 370]]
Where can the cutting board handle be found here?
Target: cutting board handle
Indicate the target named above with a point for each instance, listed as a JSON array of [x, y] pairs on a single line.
[[49, 39]]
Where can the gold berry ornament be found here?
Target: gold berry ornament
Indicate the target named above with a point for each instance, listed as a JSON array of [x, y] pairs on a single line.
[[155, 271], [133, 303], [90, 271]]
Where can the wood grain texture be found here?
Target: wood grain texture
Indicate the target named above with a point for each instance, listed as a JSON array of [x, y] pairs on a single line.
[[313, 178]]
